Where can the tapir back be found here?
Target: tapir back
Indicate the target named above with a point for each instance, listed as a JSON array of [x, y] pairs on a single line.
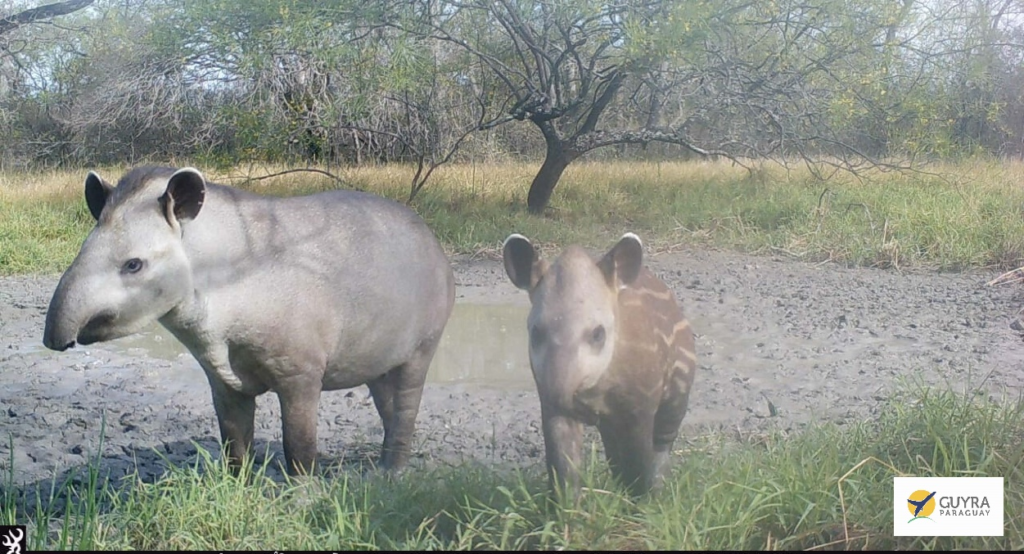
[[289, 264]]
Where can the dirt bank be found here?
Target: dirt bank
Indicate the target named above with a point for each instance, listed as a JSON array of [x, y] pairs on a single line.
[[817, 341]]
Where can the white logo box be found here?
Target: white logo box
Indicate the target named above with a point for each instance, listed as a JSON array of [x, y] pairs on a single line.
[[948, 507]]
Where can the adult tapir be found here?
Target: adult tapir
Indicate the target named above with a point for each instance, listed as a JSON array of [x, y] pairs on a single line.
[[294, 295]]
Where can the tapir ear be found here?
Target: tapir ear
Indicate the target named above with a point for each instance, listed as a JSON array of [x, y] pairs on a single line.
[[186, 191], [96, 193], [522, 262], [623, 261]]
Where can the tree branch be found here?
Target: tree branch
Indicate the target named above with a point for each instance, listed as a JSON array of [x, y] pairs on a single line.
[[48, 11], [598, 139], [602, 102], [337, 179]]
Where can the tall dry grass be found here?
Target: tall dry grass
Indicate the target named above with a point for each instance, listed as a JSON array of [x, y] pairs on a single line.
[[958, 216]]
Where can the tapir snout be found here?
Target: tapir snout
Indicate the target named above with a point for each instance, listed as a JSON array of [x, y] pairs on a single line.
[[60, 333], [64, 317], [69, 321]]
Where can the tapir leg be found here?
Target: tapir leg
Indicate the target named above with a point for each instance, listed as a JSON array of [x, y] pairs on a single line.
[[666, 428], [628, 447], [300, 401], [382, 389], [406, 385], [235, 415]]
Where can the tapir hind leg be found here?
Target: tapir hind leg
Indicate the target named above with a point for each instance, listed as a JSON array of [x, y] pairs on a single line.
[[405, 385], [300, 401], [382, 389]]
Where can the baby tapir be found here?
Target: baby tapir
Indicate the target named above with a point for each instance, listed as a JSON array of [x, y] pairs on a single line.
[[608, 347], [294, 295]]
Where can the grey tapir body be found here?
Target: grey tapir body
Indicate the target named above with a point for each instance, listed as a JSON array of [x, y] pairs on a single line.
[[293, 295], [609, 347]]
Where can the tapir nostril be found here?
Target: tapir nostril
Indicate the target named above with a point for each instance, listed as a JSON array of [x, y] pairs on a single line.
[[58, 347], [62, 347]]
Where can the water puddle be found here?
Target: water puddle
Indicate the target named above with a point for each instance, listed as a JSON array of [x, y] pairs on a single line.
[[155, 342], [483, 345]]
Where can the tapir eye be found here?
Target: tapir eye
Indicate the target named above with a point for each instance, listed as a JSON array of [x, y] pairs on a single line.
[[132, 266], [597, 337]]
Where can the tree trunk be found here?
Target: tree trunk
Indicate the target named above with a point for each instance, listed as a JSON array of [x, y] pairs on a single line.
[[544, 183], [556, 160]]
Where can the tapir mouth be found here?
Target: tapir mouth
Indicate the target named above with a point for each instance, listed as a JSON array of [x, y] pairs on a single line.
[[99, 328], [62, 337], [102, 327]]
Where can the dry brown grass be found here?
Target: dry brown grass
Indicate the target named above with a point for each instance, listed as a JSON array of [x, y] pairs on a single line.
[[952, 216]]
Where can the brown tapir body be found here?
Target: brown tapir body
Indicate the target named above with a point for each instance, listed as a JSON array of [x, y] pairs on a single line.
[[609, 347], [294, 295]]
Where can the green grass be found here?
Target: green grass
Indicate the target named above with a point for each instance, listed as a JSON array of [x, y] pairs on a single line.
[[41, 236], [829, 486], [971, 216]]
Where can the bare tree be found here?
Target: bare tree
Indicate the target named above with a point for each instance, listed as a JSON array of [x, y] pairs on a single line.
[[736, 79], [33, 48], [560, 67]]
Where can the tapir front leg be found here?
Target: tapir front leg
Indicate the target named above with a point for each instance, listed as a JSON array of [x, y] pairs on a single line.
[[666, 428], [407, 390], [382, 389], [235, 417], [397, 395], [629, 449]]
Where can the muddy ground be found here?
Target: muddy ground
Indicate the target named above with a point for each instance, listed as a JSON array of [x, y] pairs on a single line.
[[816, 340]]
